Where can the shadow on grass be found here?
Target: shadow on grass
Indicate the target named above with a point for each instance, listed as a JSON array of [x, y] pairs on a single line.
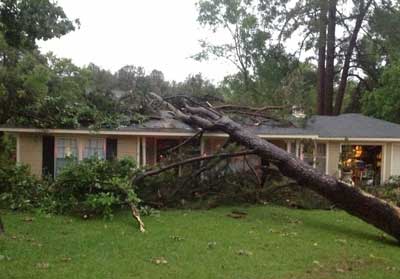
[[345, 229]]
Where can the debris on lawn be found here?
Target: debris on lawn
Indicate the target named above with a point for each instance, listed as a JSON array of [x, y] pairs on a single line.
[[176, 238], [43, 265], [211, 244], [28, 219], [159, 260], [66, 259], [244, 253], [237, 214]]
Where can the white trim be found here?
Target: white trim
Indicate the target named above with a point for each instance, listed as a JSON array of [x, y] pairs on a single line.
[[353, 140], [138, 142], [383, 162], [327, 158], [142, 133], [186, 134], [201, 146], [144, 161]]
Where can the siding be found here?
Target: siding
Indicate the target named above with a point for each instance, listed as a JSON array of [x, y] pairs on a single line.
[[333, 157], [30, 152], [395, 159], [127, 147]]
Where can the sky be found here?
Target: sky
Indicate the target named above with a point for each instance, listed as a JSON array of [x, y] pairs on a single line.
[[155, 34]]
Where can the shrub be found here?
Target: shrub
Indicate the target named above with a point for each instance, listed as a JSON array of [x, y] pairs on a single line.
[[20, 189], [389, 191], [95, 187]]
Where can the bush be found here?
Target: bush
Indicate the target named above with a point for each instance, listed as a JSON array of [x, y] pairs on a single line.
[[19, 189], [94, 187], [390, 191], [91, 187]]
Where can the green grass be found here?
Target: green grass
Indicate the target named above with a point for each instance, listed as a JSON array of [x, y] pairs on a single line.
[[271, 242]]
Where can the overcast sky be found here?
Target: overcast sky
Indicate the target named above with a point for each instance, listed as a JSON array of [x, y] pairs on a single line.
[[155, 34]]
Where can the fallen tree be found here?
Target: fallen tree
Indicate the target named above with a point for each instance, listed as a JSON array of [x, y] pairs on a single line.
[[372, 210]]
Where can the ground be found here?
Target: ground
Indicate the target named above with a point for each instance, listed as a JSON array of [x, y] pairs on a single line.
[[269, 242]]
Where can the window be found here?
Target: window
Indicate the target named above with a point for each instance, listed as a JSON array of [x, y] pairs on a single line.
[[66, 150], [94, 148], [321, 157], [308, 153]]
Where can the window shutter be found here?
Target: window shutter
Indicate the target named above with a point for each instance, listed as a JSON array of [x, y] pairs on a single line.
[[48, 156], [111, 149]]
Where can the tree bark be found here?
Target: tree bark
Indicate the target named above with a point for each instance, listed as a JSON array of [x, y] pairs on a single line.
[[372, 210], [321, 58], [349, 53], [330, 58]]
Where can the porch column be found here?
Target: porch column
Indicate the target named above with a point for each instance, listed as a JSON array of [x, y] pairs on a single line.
[[144, 151]]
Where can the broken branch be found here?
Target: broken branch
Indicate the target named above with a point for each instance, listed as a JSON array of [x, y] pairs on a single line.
[[189, 161]]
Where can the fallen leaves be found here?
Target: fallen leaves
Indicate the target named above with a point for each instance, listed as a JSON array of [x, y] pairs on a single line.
[[237, 214], [211, 244], [244, 253], [159, 261], [176, 238], [28, 219], [43, 265]]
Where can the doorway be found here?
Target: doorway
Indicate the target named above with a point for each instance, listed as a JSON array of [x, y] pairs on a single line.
[[361, 164]]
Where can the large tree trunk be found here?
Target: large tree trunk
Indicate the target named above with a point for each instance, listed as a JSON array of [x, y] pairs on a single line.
[[353, 200], [349, 53], [321, 58], [330, 58]]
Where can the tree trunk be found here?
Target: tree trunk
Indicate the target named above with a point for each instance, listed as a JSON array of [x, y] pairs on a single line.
[[353, 200], [372, 210], [349, 53], [330, 58], [321, 58]]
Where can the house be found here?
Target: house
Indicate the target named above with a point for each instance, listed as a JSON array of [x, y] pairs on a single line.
[[363, 148]]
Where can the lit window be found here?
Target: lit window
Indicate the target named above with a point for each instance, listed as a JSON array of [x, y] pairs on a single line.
[[66, 150], [94, 148]]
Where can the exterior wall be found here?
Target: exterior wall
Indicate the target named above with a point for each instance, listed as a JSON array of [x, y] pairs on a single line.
[[212, 145], [395, 159], [128, 146], [30, 152], [333, 157]]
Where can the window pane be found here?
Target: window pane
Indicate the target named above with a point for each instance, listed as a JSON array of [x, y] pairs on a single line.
[[66, 151], [94, 148]]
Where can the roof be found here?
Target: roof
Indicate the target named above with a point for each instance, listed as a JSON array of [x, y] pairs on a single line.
[[351, 126]]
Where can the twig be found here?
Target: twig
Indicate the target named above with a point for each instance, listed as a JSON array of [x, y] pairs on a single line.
[[186, 141]]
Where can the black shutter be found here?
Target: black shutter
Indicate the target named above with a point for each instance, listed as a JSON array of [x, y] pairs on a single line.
[[48, 156], [111, 149]]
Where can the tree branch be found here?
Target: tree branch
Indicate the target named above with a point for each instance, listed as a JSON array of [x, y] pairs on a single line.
[[189, 161]]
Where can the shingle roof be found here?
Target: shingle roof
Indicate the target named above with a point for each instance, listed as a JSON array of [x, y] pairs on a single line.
[[351, 125]]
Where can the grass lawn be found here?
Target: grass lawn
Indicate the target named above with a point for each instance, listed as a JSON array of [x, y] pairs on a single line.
[[270, 242]]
